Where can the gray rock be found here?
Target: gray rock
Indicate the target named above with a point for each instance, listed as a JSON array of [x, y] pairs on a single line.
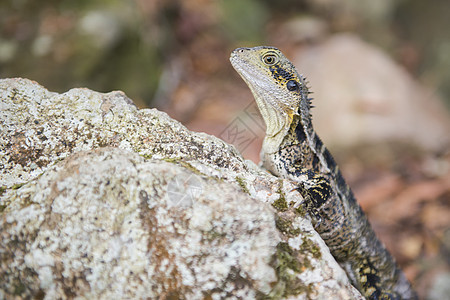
[[101, 200], [440, 288]]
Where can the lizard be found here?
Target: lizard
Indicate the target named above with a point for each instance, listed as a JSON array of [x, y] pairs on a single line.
[[291, 149]]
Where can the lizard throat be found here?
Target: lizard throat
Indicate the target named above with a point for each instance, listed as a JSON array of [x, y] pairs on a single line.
[[277, 119], [277, 126]]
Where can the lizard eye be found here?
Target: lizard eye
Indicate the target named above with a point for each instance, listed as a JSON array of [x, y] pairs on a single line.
[[292, 85], [269, 59]]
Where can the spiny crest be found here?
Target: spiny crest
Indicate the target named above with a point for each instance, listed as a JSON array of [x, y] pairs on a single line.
[[305, 95]]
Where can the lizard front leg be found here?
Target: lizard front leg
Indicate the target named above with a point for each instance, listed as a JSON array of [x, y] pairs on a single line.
[[348, 235]]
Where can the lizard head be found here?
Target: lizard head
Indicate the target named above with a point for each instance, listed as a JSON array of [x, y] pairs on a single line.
[[280, 92]]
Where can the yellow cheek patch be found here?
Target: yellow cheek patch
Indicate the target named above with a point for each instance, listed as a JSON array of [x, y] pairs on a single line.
[[291, 115]]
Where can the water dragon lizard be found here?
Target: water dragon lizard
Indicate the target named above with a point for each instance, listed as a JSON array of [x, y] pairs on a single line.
[[291, 149]]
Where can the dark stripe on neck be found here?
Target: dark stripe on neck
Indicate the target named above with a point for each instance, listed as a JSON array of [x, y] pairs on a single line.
[[300, 132], [331, 164], [317, 144], [339, 179]]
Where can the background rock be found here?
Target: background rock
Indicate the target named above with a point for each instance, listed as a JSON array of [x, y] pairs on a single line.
[[102, 200], [362, 96]]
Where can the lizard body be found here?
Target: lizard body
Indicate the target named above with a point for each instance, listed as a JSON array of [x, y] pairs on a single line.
[[291, 149]]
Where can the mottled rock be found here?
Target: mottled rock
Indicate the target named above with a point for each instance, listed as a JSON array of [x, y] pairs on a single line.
[[101, 200]]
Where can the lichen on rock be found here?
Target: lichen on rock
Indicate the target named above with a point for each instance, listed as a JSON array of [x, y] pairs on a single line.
[[102, 200]]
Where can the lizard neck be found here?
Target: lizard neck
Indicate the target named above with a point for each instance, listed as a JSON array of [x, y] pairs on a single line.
[[286, 126], [272, 143], [292, 150], [277, 125], [300, 149]]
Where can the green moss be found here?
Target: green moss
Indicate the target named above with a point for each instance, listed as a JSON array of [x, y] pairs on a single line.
[[214, 235], [287, 258], [301, 210], [287, 266], [178, 160], [147, 156], [172, 159], [241, 183], [308, 246], [286, 227], [2, 206], [280, 204], [17, 186], [191, 168]]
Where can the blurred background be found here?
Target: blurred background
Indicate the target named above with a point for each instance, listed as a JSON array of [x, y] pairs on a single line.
[[379, 70]]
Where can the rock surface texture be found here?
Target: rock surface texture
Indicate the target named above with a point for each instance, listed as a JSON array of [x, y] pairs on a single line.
[[101, 200]]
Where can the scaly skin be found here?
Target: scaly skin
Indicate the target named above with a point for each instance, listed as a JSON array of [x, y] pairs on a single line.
[[292, 150]]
